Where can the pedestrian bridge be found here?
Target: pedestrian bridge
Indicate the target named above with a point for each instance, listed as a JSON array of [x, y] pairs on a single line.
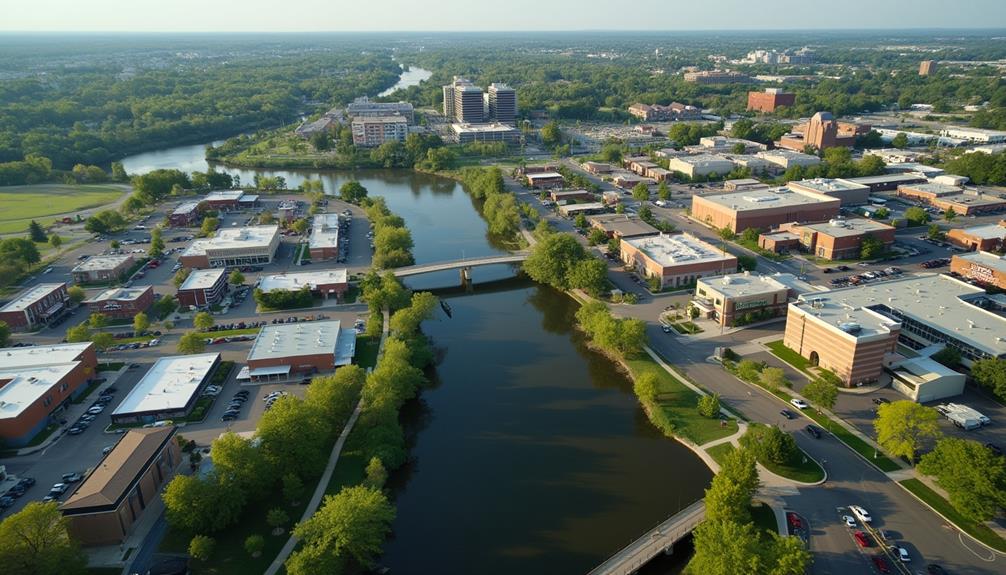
[[660, 539], [462, 264]]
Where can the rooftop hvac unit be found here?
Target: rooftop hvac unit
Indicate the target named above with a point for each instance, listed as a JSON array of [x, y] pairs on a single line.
[[850, 327]]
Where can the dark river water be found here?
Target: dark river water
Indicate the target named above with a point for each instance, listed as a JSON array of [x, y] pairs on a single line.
[[529, 452]]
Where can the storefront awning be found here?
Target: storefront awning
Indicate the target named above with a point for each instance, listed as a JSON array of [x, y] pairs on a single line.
[[266, 371]]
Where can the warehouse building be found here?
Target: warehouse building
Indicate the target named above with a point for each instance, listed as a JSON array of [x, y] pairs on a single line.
[[251, 245], [888, 182], [227, 200], [286, 351], [169, 390], [924, 379], [987, 238], [103, 269], [622, 226], [786, 159], [945, 197], [701, 165], [38, 381], [322, 283], [35, 307], [675, 260], [203, 288], [121, 303], [113, 497], [763, 209], [848, 192]]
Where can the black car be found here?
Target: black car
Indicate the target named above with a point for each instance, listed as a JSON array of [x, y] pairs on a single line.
[[881, 400], [828, 270], [813, 431], [786, 413], [844, 268], [229, 417], [26, 482]]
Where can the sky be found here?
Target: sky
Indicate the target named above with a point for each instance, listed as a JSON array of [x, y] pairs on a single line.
[[483, 15]]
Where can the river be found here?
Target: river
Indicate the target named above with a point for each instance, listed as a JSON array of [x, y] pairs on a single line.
[[411, 76], [529, 453]]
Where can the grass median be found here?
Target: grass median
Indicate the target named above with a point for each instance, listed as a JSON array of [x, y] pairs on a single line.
[[979, 531], [801, 468], [791, 357]]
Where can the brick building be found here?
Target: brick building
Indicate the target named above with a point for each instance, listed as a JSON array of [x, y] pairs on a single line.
[[622, 226], [763, 209], [252, 245], [185, 215], [823, 131], [325, 283], [597, 168], [769, 100], [945, 197], [675, 260], [323, 243], [111, 499], [103, 269], [740, 299], [987, 238], [38, 381], [572, 196], [203, 288], [670, 113], [287, 351], [839, 238], [35, 307], [850, 193], [985, 268], [121, 303], [779, 242], [545, 180]]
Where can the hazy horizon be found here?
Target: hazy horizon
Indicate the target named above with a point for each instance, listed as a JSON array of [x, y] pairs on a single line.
[[320, 16]]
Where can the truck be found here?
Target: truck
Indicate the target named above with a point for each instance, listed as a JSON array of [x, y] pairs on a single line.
[[963, 416]]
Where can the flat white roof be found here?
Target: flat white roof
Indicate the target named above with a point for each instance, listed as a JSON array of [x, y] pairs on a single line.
[[296, 281], [779, 153], [297, 339], [345, 347], [703, 160], [234, 238], [841, 227], [121, 294], [23, 386], [170, 384], [544, 176], [102, 263], [202, 279], [186, 207], [30, 296], [987, 232], [678, 249], [750, 200], [744, 284], [14, 357], [573, 208], [987, 260], [324, 231], [476, 128], [224, 195], [825, 185]]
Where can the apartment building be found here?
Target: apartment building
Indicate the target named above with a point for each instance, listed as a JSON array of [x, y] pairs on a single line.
[[362, 107], [372, 131]]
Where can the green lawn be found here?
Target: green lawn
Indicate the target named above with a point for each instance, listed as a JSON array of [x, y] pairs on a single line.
[[43, 435], [114, 366], [679, 404], [21, 204], [796, 470], [764, 518], [199, 410], [686, 328], [977, 530], [366, 351], [719, 452], [789, 356]]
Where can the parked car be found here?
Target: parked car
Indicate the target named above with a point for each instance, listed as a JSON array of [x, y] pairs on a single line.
[[849, 521], [903, 555], [881, 564], [75, 430], [96, 409], [72, 477], [813, 431], [861, 539], [58, 489], [862, 514], [881, 400], [798, 403], [787, 414]]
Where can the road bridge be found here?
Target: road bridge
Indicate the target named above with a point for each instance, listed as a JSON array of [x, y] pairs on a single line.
[[660, 539], [464, 265]]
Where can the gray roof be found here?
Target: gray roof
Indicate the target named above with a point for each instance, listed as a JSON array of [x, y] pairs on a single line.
[[296, 339]]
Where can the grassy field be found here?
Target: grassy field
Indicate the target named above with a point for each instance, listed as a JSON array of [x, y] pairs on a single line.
[[21, 204], [977, 530], [789, 356], [719, 452], [680, 404]]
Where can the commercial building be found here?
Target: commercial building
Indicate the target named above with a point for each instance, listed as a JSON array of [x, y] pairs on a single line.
[[924, 379], [227, 200], [741, 299], [546, 180], [640, 165], [324, 241], [927, 67], [786, 159], [945, 197], [840, 238], [169, 390], [284, 351], [597, 168], [770, 100], [250, 245], [448, 93], [628, 181], [324, 283], [975, 135], [572, 210], [717, 77], [185, 215], [763, 209], [362, 107], [914, 168], [203, 288], [823, 131], [675, 260], [658, 113], [987, 238], [503, 104], [35, 307], [99, 269], [113, 497], [779, 242], [701, 165], [927, 192], [854, 330], [725, 145], [744, 184], [121, 303], [848, 192], [372, 131], [983, 267], [464, 133], [566, 196], [622, 226], [888, 182], [469, 107], [36, 382]]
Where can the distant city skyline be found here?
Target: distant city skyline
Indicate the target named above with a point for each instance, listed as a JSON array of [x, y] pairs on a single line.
[[464, 15]]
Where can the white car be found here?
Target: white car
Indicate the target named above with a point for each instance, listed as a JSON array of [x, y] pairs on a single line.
[[153, 342], [95, 410], [849, 521], [798, 403], [861, 513], [903, 555]]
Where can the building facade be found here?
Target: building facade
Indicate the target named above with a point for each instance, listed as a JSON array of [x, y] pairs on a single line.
[[203, 288], [491, 132], [770, 100], [675, 260], [372, 131], [252, 245], [287, 351], [927, 67], [848, 192], [121, 303], [741, 299], [328, 283], [840, 238], [362, 107], [763, 209], [503, 104], [185, 215], [169, 390], [701, 165], [987, 238], [103, 269], [325, 233], [985, 268], [35, 307], [823, 131]]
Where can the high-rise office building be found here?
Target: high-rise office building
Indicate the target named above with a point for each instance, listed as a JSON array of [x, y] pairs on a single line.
[[503, 104], [450, 91], [468, 106], [927, 67]]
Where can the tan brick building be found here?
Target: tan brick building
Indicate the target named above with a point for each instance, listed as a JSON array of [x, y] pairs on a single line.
[[985, 268], [675, 260], [763, 209], [988, 238], [106, 505], [769, 100]]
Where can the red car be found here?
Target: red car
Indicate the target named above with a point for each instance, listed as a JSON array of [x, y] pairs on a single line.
[[794, 519], [881, 564], [861, 539]]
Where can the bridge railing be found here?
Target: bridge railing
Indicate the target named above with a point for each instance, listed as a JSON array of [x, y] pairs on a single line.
[[636, 554]]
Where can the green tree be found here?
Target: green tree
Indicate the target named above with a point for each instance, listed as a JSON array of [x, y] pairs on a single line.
[[141, 323], [728, 497], [590, 275], [295, 436], [821, 393], [349, 525], [352, 192], [768, 443], [35, 541], [948, 356], [596, 237], [293, 488], [746, 262], [551, 134], [180, 277], [900, 141], [749, 370], [724, 547], [277, 518], [903, 426], [726, 234], [335, 396], [36, 233], [552, 258], [377, 475], [97, 320], [773, 378], [240, 465], [78, 333], [950, 215], [916, 216], [201, 547], [55, 241], [580, 221], [156, 244], [935, 233], [738, 148], [209, 226], [973, 476], [709, 405], [191, 343], [254, 545], [114, 244], [203, 321], [119, 172], [641, 192], [105, 221], [619, 208], [200, 505], [881, 214], [102, 340], [21, 251], [301, 225], [663, 191], [991, 373], [870, 247], [236, 278]]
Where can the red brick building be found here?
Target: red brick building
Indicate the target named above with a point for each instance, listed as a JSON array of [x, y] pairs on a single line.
[[779, 242], [203, 288], [988, 238], [121, 303], [983, 267], [769, 100], [37, 381], [675, 260], [763, 209], [288, 351], [185, 215], [839, 238], [35, 306], [823, 131]]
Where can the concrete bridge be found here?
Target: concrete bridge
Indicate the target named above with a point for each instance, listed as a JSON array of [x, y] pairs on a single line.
[[660, 539], [465, 265]]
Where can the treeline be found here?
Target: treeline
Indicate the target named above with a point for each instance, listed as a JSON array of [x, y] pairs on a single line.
[[499, 207], [837, 163], [284, 299], [981, 168], [560, 261], [392, 239]]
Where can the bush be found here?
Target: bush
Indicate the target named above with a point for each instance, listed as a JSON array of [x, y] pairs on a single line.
[[709, 405], [285, 299], [254, 545], [201, 547], [769, 443]]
